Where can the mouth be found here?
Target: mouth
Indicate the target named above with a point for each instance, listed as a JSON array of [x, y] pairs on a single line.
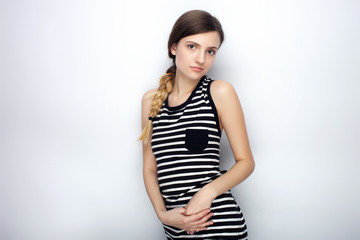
[[197, 69]]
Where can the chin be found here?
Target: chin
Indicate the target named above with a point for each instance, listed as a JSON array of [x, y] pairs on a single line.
[[192, 75], [196, 76]]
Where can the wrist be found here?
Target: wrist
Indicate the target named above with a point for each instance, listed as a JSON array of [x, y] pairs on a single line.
[[210, 191], [161, 215]]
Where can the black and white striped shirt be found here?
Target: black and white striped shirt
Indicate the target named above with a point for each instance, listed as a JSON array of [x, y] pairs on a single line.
[[186, 145]]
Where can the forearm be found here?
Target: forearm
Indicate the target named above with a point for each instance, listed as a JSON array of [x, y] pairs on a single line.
[[234, 176], [153, 191]]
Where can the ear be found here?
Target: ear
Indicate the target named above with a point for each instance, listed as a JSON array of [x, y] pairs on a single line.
[[173, 49]]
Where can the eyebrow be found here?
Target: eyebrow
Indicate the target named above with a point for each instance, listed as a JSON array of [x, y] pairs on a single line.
[[195, 43]]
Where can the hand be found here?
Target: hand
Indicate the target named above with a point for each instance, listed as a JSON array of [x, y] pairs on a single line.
[[200, 201], [193, 223]]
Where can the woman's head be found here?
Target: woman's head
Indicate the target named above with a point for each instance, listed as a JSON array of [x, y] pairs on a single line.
[[193, 22], [195, 54]]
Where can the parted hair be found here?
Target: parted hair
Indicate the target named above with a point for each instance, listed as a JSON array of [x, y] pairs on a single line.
[[189, 23]]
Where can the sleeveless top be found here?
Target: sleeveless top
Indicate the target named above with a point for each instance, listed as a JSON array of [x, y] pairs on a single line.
[[186, 144]]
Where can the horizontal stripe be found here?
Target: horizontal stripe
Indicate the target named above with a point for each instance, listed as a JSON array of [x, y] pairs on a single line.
[[170, 150], [225, 213], [184, 174], [168, 138], [183, 123], [228, 220], [223, 206], [167, 144], [183, 129], [171, 120], [176, 189], [206, 160], [222, 199], [167, 112], [184, 168]]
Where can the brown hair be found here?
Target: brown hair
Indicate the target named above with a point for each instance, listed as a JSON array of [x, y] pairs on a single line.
[[189, 23]]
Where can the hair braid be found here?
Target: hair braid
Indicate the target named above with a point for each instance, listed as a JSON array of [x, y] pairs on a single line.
[[165, 87]]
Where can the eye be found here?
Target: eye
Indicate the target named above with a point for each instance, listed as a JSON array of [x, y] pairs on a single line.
[[211, 52], [191, 46]]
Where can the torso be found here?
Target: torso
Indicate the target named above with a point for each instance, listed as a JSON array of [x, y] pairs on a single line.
[[186, 145]]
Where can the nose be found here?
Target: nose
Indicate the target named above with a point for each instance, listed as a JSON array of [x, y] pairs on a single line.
[[200, 58]]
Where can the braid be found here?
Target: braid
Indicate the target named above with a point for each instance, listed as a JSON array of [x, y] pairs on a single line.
[[165, 87]]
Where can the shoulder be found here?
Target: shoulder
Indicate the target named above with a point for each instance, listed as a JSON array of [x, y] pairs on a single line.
[[148, 96], [221, 89], [225, 98], [146, 101]]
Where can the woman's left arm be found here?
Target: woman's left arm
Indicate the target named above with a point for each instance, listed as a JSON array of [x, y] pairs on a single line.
[[233, 122]]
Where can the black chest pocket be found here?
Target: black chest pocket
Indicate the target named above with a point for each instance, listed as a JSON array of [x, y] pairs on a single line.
[[196, 140]]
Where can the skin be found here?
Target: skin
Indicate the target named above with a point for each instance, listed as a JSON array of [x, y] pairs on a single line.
[[195, 55]]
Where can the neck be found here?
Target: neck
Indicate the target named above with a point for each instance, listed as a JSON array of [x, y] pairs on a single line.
[[182, 85]]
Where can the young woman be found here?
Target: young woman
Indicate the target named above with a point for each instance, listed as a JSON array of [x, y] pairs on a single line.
[[182, 123]]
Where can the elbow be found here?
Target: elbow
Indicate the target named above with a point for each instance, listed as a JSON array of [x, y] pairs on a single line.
[[248, 164], [252, 165], [149, 172]]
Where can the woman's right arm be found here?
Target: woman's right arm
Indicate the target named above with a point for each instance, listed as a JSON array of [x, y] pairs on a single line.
[[175, 217]]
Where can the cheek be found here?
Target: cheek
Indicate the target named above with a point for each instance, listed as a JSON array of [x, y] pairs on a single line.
[[181, 58], [210, 60], [178, 61]]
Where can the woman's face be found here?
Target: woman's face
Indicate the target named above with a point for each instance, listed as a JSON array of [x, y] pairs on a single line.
[[195, 54]]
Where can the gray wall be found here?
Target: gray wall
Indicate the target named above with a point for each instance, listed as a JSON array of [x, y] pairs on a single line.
[[72, 76]]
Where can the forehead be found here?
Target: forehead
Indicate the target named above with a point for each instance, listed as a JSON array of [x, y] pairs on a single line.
[[208, 39]]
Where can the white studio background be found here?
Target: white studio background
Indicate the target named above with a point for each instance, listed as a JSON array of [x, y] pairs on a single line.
[[72, 76]]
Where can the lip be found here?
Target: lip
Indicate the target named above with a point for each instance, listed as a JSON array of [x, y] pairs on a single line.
[[197, 69]]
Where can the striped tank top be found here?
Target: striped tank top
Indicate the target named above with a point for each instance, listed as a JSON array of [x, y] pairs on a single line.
[[186, 145]]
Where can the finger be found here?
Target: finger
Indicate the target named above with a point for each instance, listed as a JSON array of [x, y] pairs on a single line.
[[204, 219], [202, 229], [193, 230], [181, 210], [199, 224], [195, 224], [204, 225], [199, 215]]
